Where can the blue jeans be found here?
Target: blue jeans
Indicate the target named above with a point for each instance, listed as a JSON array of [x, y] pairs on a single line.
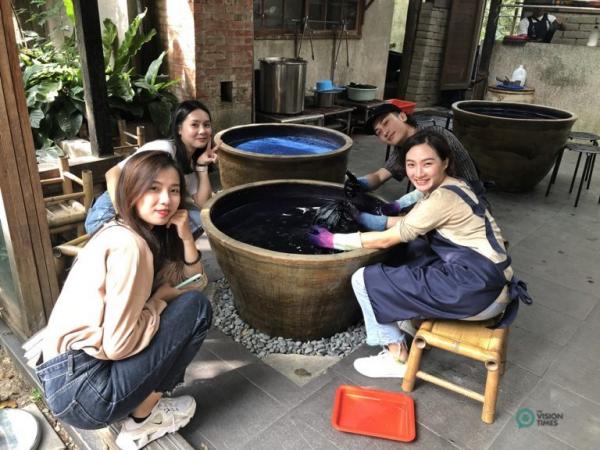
[[92, 393], [103, 210], [377, 333]]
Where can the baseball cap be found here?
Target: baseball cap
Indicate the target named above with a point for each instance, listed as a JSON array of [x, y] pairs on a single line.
[[380, 111]]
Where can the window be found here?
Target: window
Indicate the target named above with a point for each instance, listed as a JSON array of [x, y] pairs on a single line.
[[282, 19]]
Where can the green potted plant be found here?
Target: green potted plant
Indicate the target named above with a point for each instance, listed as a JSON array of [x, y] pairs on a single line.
[[54, 87], [134, 96]]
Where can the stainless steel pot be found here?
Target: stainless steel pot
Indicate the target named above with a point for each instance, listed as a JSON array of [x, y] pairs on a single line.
[[282, 82], [325, 99]]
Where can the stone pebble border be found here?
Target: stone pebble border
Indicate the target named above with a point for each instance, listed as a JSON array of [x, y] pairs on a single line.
[[226, 318]]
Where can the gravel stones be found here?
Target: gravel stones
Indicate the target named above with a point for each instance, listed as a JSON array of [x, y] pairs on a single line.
[[226, 318]]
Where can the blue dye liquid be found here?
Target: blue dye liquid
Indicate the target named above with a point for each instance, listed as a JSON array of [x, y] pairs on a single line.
[[288, 145]]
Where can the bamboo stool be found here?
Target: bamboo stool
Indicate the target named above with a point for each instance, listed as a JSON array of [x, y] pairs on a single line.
[[470, 339]]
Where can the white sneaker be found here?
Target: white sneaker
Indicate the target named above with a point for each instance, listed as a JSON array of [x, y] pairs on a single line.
[[383, 365], [167, 416]]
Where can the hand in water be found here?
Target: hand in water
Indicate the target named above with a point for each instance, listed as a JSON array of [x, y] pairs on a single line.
[[321, 237], [353, 210], [391, 209], [354, 186]]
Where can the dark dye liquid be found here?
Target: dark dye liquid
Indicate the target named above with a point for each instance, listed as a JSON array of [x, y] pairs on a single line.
[[286, 145], [523, 112], [281, 225]]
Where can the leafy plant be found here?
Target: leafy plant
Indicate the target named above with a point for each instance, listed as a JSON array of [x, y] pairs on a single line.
[[36, 395], [132, 95], [54, 86]]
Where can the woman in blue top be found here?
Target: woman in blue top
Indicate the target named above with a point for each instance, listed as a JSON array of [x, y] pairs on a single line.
[[190, 147], [459, 271]]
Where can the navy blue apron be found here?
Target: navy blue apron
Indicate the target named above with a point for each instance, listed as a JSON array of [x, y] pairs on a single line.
[[445, 281]]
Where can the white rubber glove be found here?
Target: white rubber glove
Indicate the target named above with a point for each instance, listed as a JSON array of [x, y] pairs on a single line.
[[346, 241]]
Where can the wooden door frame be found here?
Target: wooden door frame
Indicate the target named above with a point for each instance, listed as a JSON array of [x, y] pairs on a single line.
[[22, 210], [408, 47], [448, 79]]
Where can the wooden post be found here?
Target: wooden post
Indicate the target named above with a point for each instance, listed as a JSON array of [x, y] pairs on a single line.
[[63, 166], [89, 42], [488, 413], [410, 35], [141, 135], [88, 188], [22, 213], [488, 44]]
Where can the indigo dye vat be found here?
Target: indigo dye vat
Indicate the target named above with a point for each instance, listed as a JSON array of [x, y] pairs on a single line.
[[260, 152], [281, 284], [513, 144]]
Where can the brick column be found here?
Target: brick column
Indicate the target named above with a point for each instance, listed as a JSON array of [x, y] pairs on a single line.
[[224, 59], [424, 76], [176, 31], [210, 49]]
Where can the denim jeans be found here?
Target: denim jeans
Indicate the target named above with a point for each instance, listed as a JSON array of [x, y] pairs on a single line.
[[92, 393], [377, 333], [103, 210], [388, 333]]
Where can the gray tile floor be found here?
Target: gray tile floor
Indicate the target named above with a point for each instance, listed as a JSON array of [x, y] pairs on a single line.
[[553, 354]]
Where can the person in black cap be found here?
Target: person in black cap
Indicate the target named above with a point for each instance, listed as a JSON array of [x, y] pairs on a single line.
[[392, 126]]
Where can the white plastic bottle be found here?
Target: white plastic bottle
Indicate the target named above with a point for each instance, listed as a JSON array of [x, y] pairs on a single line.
[[520, 74]]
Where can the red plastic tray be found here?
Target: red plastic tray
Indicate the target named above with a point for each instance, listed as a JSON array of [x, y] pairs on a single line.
[[406, 106], [389, 415]]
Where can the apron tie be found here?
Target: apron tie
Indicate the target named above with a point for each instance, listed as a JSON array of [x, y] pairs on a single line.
[[517, 291]]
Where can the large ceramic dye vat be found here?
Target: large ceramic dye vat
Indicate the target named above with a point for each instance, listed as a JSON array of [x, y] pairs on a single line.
[[299, 296], [513, 144], [307, 152]]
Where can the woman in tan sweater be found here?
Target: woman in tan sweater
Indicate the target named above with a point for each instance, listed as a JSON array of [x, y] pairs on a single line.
[[453, 263], [121, 334]]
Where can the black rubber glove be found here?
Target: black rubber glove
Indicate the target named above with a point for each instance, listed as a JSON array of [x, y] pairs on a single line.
[[354, 186]]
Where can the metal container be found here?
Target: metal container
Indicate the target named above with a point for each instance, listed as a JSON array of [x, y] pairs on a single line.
[[282, 82], [325, 99]]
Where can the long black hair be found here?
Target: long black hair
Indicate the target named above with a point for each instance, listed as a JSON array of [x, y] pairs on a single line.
[[179, 115], [136, 178], [435, 140]]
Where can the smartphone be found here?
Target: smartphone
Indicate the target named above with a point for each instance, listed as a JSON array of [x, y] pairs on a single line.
[[189, 281]]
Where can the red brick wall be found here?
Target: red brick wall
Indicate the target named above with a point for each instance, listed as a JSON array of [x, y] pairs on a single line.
[[175, 27], [211, 42], [224, 52]]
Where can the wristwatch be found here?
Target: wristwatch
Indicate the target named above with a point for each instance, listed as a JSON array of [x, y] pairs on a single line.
[[201, 168]]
